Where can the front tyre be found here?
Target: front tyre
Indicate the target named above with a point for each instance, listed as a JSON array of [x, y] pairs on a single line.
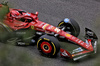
[[48, 46], [70, 26]]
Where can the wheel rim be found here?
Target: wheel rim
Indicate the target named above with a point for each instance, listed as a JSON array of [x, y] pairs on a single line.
[[46, 47]]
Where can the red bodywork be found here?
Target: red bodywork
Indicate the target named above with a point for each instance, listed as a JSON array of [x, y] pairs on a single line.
[[16, 24]]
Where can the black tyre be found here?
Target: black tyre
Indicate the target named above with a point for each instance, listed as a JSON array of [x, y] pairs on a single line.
[[70, 25], [48, 45]]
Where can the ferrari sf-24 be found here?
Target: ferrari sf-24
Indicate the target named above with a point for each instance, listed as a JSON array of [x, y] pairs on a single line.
[[27, 29]]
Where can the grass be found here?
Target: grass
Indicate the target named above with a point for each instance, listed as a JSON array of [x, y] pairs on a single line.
[[11, 56], [3, 11]]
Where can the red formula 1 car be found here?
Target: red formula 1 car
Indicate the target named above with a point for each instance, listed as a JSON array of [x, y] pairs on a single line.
[[28, 30]]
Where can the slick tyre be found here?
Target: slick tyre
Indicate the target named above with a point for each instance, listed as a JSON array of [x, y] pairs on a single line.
[[48, 46], [71, 26]]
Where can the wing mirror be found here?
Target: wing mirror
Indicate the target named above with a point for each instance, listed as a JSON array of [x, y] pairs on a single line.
[[36, 13]]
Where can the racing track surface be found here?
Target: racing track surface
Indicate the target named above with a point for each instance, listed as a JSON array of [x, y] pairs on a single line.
[[85, 12]]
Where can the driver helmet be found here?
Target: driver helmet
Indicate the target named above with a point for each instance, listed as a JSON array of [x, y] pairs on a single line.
[[15, 13]]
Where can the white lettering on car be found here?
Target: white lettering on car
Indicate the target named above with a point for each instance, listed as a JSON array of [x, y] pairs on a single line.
[[50, 27], [57, 30]]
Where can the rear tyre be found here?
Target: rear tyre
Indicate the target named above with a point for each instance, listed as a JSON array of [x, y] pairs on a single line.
[[48, 46]]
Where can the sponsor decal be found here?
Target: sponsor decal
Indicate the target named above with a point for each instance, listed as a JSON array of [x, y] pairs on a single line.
[[77, 50], [45, 26], [57, 30], [39, 29], [50, 27], [41, 24], [53, 28], [65, 54], [82, 43], [87, 46], [68, 35], [21, 43], [79, 41], [20, 32], [73, 37], [32, 27]]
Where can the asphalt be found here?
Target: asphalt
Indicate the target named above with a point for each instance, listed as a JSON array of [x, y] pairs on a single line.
[[85, 12]]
